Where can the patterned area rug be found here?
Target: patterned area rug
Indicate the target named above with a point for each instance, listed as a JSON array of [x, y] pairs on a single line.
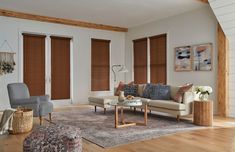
[[99, 128]]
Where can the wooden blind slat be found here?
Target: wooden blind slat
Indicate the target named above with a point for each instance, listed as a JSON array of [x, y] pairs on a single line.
[[158, 62], [60, 68], [100, 66], [34, 63], [140, 61]]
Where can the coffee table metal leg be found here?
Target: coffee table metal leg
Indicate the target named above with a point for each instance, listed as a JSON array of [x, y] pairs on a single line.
[[116, 116]]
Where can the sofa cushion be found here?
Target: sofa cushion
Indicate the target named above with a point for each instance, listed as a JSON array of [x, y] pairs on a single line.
[[141, 88], [102, 100], [160, 92], [167, 104], [180, 93], [147, 90], [131, 90]]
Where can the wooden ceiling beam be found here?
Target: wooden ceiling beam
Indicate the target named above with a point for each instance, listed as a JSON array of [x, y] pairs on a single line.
[[40, 18], [204, 1]]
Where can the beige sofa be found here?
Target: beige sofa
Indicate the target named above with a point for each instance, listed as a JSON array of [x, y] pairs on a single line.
[[164, 106]]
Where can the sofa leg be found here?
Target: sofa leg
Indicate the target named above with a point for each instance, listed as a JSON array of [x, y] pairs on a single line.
[[134, 109], [178, 118], [40, 119], [141, 109], [104, 110], [95, 108], [50, 117]]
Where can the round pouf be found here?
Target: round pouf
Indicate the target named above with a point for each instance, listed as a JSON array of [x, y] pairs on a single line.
[[54, 138]]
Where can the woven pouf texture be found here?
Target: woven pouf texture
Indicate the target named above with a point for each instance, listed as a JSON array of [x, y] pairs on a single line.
[[54, 138]]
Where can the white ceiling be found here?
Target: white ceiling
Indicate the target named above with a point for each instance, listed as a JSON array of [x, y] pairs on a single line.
[[124, 13]]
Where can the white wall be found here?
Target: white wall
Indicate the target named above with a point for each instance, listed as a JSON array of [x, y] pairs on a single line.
[[198, 26], [10, 29], [224, 11]]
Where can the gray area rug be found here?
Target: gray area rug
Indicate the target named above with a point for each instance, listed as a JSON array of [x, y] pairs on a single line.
[[99, 128]]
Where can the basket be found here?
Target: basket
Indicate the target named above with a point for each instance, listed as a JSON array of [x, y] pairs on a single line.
[[22, 121]]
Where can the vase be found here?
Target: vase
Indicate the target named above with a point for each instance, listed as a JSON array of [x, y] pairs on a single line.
[[121, 96], [203, 97]]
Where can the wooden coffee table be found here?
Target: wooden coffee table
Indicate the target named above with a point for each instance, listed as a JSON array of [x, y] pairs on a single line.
[[136, 102]]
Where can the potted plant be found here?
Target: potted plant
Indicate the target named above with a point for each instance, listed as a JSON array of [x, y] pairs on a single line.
[[203, 91]]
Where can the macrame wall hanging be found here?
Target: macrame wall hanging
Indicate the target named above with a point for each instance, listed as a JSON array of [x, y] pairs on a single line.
[[7, 62]]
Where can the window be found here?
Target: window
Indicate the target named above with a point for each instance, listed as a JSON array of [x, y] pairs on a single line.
[[156, 71], [140, 61], [100, 66], [34, 63], [158, 59], [60, 68]]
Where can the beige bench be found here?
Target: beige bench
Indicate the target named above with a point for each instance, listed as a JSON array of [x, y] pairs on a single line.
[[102, 102]]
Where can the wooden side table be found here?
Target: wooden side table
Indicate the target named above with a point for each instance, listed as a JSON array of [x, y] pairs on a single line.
[[203, 113]]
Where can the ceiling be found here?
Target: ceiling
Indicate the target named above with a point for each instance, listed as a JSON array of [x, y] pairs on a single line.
[[123, 13]]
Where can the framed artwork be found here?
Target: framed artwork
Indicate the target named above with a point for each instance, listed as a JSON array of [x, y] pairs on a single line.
[[183, 58], [202, 57]]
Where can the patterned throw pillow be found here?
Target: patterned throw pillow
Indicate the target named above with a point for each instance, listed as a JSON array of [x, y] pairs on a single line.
[[147, 90], [160, 92], [121, 87], [131, 90], [180, 93]]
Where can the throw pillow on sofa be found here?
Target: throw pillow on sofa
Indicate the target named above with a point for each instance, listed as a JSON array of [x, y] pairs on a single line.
[[141, 88], [160, 92], [121, 87], [147, 90], [131, 90], [180, 93]]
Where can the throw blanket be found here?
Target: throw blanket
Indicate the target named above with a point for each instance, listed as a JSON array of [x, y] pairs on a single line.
[[6, 121]]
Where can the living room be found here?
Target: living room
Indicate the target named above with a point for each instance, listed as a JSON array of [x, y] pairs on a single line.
[[70, 62]]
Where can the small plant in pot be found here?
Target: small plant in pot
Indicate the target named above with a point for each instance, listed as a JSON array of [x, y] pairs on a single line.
[[203, 91]]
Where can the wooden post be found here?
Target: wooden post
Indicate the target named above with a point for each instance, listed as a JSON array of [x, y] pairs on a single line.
[[223, 73], [203, 113]]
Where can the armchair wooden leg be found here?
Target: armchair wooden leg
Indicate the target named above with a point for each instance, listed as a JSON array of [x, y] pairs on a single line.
[[50, 117], [178, 118], [40, 119]]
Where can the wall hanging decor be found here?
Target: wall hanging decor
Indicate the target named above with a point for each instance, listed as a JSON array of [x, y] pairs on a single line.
[[7, 62], [202, 57], [183, 58]]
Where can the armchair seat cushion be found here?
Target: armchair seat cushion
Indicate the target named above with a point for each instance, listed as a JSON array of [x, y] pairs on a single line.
[[45, 108], [167, 104]]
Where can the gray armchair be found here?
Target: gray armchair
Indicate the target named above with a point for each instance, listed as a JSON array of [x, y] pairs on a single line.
[[19, 97]]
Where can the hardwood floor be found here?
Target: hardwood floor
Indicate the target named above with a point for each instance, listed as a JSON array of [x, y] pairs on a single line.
[[220, 138]]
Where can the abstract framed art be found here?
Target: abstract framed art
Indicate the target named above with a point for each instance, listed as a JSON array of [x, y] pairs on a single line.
[[202, 57], [183, 58]]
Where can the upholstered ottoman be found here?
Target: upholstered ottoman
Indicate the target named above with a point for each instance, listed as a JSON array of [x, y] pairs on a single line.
[[102, 101], [54, 138]]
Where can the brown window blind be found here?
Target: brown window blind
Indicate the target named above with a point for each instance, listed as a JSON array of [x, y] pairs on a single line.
[[34, 63], [60, 68], [100, 67], [158, 62], [140, 61]]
